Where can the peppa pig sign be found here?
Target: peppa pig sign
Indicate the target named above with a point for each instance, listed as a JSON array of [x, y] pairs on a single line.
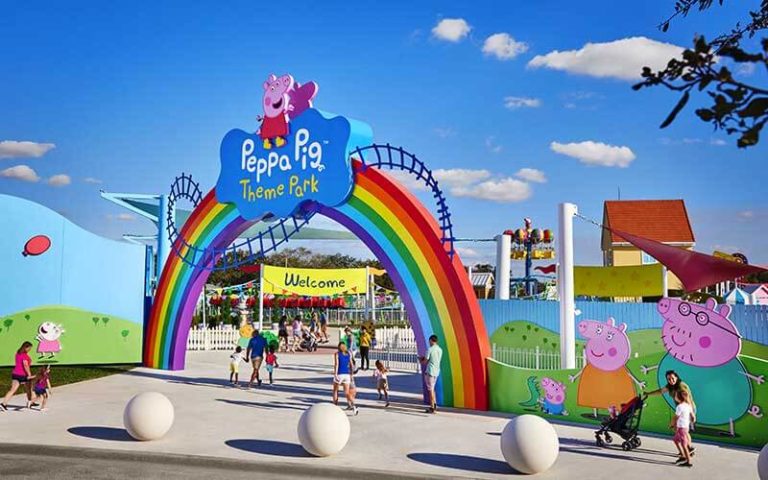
[[298, 154]]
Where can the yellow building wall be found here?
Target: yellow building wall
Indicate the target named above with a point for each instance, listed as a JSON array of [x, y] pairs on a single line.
[[623, 256]]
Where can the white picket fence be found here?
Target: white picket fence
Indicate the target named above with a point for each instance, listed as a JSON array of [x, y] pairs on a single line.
[[216, 338], [533, 358]]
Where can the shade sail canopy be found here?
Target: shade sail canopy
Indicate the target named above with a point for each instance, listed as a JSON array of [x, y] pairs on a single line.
[[695, 270]]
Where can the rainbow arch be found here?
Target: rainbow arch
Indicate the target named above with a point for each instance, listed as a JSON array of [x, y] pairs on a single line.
[[403, 235]]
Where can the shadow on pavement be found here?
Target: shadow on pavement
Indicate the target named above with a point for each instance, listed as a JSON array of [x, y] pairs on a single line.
[[462, 462], [102, 433], [268, 405], [269, 447]]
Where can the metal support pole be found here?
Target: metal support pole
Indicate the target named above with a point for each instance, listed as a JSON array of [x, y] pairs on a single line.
[[565, 286], [503, 259], [261, 297]]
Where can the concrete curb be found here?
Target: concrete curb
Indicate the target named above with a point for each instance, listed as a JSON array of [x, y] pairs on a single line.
[[298, 469]]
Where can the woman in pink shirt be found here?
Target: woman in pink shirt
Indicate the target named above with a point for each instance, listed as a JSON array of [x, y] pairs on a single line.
[[21, 375]]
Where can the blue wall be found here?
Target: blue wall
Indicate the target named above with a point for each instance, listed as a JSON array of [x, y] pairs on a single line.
[[751, 320], [80, 269]]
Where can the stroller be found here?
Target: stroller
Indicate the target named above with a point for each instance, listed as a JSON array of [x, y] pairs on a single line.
[[308, 342], [625, 425]]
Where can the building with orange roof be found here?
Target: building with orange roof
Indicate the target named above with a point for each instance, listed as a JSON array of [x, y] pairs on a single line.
[[665, 221]]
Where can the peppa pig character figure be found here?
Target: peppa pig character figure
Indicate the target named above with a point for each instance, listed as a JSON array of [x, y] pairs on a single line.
[[276, 103], [553, 401], [48, 334], [702, 348], [605, 380]]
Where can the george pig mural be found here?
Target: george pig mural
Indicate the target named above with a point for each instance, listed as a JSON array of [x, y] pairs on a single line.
[[605, 382], [703, 347]]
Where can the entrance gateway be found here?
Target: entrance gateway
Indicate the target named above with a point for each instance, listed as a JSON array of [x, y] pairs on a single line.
[[303, 162]]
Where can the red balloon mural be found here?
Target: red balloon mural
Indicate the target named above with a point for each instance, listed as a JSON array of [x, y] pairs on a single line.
[[36, 245]]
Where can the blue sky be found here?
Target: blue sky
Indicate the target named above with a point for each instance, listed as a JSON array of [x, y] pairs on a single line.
[[132, 96]]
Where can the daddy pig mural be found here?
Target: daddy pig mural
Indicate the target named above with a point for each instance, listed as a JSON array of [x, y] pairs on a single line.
[[702, 348], [605, 381]]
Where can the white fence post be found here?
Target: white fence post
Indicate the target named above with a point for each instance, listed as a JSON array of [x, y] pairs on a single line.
[[538, 361]]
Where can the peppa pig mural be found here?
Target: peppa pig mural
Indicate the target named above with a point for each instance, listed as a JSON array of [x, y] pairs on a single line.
[[605, 381], [703, 347]]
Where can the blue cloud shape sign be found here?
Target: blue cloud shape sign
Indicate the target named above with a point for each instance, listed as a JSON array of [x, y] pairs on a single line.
[[313, 165]]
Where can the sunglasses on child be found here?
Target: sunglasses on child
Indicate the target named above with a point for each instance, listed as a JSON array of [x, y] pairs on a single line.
[[702, 318]]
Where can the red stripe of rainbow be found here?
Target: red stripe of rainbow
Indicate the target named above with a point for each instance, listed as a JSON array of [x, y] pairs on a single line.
[[405, 238]]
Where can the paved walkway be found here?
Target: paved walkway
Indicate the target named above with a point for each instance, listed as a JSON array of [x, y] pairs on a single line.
[[259, 425]]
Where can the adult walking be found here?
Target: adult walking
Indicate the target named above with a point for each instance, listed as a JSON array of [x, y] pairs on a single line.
[[323, 328], [343, 367], [255, 354], [365, 347], [282, 333], [672, 388], [20, 375], [431, 361], [297, 329]]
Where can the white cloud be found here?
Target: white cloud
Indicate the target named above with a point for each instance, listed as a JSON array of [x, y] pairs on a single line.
[[745, 69], [623, 59], [20, 172], [490, 143], [459, 177], [451, 29], [747, 214], [92, 180], [531, 175], [467, 252], [15, 149], [444, 132], [123, 217], [407, 180], [59, 180], [504, 190], [596, 153], [718, 142], [513, 103], [503, 46]]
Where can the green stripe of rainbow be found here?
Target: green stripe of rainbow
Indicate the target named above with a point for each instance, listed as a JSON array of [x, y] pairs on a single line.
[[401, 233]]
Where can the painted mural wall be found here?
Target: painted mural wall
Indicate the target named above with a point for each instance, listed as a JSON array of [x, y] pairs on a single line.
[[725, 371], [78, 297]]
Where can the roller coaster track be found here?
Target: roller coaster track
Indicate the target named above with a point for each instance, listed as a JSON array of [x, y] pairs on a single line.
[[386, 156]]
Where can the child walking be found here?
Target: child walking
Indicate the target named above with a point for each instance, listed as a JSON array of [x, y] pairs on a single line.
[[272, 364], [682, 423], [234, 365], [382, 385], [43, 389]]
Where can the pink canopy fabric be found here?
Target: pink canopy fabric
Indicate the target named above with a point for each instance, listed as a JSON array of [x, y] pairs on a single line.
[[695, 270]]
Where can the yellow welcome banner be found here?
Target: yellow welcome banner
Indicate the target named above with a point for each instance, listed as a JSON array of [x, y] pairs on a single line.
[[313, 282], [630, 281]]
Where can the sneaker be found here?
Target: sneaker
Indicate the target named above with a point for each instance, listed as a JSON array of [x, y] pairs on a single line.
[[692, 450], [386, 405], [258, 384], [680, 459], [429, 410], [356, 411], [349, 407], [685, 464], [3, 407]]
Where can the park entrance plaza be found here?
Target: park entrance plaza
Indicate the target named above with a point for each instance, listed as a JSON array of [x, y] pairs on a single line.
[[471, 254]]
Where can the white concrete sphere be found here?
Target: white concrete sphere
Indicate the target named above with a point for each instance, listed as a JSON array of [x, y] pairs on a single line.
[[148, 416], [762, 463], [323, 429], [529, 444]]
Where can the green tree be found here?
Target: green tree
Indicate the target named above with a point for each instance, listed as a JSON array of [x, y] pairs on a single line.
[[8, 322], [105, 320], [738, 108], [95, 321], [124, 334]]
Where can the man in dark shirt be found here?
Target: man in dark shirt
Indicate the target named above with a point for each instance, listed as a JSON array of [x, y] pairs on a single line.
[[255, 354]]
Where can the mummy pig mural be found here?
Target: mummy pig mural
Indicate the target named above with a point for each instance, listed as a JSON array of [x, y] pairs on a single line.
[[703, 347], [605, 382]]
